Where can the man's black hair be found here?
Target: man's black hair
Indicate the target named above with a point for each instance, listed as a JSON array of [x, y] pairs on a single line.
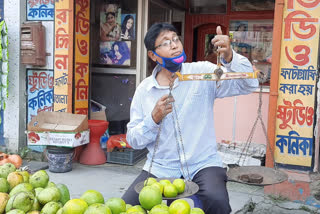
[[153, 33]]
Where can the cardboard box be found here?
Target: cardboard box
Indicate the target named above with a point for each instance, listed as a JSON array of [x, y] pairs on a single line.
[[98, 115], [58, 129]]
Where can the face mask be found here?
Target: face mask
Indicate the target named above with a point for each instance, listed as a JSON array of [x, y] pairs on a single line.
[[172, 64]]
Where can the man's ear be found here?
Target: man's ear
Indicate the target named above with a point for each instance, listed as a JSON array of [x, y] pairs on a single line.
[[152, 56]]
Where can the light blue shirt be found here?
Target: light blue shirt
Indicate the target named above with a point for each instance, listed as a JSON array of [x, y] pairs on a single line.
[[194, 102]]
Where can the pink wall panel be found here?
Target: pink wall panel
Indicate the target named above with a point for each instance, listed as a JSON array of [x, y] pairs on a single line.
[[223, 117], [246, 114]]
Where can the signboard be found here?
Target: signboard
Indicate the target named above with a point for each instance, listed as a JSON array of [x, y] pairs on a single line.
[[297, 84], [82, 47], [40, 91], [63, 58], [40, 10]]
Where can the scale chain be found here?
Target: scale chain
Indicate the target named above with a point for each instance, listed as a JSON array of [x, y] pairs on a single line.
[[249, 140], [182, 146], [158, 138], [176, 122]]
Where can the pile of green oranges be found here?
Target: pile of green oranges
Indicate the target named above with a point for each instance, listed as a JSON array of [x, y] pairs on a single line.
[[151, 197]]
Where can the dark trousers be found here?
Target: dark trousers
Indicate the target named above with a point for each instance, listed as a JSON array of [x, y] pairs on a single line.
[[212, 190]]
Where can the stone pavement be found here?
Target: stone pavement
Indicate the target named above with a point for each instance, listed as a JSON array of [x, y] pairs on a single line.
[[112, 180]]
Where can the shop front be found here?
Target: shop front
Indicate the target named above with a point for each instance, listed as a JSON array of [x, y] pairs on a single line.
[[93, 64], [99, 56]]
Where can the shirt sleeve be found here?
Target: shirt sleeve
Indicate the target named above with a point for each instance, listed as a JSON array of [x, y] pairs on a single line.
[[236, 87], [141, 130]]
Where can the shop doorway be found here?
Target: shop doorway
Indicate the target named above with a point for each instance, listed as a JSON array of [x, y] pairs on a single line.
[[205, 51]]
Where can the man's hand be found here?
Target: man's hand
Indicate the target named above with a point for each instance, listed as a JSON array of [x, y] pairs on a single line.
[[223, 44], [162, 108]]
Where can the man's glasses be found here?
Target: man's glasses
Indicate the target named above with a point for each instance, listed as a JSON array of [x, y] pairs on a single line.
[[167, 43]]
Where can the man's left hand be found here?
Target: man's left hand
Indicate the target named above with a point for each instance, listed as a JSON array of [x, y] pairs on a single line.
[[223, 43]]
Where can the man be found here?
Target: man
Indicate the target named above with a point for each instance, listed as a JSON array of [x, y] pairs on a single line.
[[152, 107]]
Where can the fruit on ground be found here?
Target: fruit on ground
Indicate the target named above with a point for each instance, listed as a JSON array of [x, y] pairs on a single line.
[[64, 193], [128, 206], [170, 191], [75, 206], [117, 205], [51, 207], [4, 197], [159, 209], [39, 179], [24, 187], [92, 197], [136, 209], [49, 194], [14, 178], [6, 169], [179, 206], [34, 212], [150, 197], [22, 201], [16, 211], [60, 211], [4, 185], [180, 185], [25, 175], [36, 205], [98, 209]]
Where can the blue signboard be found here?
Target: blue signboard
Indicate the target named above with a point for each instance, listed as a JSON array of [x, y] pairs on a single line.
[[40, 91], [40, 10]]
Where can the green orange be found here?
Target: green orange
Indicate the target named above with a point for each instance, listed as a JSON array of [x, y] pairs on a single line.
[[179, 206], [149, 181], [164, 182], [75, 206], [150, 197], [159, 186], [92, 197], [180, 185], [197, 211], [117, 205], [170, 191]]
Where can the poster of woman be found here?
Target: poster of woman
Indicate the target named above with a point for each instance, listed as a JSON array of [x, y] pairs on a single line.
[[115, 53], [128, 26], [110, 19]]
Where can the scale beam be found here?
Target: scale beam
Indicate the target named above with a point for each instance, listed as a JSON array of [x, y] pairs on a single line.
[[214, 77]]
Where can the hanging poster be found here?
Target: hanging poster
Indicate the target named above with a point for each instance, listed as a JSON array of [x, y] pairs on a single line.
[[63, 56], [110, 22], [82, 47], [128, 26], [40, 92], [294, 143], [115, 53], [40, 10]]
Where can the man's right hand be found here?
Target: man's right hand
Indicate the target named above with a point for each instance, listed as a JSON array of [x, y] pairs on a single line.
[[162, 108]]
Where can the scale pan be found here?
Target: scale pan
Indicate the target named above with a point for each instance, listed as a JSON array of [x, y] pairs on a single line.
[[269, 175], [191, 188]]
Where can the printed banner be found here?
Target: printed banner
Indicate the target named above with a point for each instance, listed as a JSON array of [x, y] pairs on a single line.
[[63, 58], [40, 92], [82, 47], [40, 10], [297, 83]]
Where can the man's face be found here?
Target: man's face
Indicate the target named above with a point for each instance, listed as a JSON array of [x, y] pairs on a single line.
[[167, 45]]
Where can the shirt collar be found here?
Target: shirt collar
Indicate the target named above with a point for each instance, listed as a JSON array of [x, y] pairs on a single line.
[[154, 82]]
